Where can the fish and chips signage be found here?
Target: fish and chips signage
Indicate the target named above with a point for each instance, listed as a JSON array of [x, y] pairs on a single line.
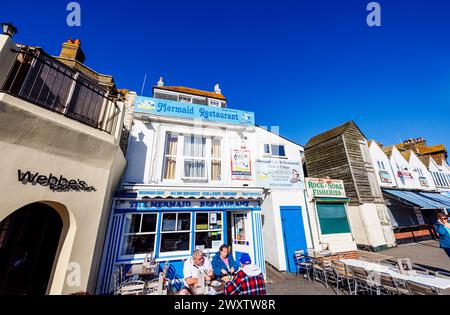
[[156, 193], [325, 188], [279, 174], [154, 106]]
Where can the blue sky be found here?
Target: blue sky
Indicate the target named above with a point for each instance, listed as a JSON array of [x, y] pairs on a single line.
[[306, 66]]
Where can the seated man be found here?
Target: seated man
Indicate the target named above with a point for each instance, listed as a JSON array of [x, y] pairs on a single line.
[[223, 263], [248, 281], [192, 266]]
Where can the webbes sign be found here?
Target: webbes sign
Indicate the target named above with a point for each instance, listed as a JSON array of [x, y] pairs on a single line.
[[56, 184], [154, 106]]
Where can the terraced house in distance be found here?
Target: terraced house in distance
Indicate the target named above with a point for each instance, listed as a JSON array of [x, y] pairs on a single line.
[[343, 153], [60, 127]]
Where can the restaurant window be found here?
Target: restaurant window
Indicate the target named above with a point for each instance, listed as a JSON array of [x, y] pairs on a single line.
[[333, 218], [185, 99], [214, 103], [194, 155], [240, 235], [275, 150], [216, 160], [208, 230], [175, 232], [139, 234], [170, 156]]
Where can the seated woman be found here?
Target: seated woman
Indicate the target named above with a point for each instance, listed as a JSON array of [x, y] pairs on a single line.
[[223, 263]]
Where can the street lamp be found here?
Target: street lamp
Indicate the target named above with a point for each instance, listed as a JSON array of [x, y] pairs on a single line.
[[9, 29]]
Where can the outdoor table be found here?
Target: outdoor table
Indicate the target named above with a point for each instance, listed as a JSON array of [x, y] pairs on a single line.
[[374, 256], [428, 280], [140, 270]]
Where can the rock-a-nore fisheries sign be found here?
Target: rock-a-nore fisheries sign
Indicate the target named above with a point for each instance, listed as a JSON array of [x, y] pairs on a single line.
[[318, 187]]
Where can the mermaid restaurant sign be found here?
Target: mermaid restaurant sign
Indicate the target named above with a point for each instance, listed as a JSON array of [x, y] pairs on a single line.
[[331, 188], [154, 106]]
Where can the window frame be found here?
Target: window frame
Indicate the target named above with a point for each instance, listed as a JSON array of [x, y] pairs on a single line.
[[161, 233], [166, 156], [186, 97], [194, 158], [180, 158], [211, 159], [270, 153], [209, 230], [123, 234], [346, 216]]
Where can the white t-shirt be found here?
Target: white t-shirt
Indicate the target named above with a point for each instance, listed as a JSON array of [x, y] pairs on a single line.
[[191, 271]]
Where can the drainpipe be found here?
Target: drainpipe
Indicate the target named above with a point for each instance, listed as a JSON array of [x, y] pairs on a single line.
[[309, 220]]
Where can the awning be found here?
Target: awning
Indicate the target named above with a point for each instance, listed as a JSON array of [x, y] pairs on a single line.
[[171, 192], [414, 199], [443, 199]]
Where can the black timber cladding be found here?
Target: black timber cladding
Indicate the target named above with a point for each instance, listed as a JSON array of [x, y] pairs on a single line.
[[337, 153]]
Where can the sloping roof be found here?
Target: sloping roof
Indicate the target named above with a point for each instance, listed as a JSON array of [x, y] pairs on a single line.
[[406, 154], [438, 160], [431, 149], [182, 89], [425, 160], [330, 134], [388, 150]]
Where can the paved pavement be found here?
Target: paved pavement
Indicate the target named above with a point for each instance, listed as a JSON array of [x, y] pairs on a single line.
[[291, 284], [424, 254]]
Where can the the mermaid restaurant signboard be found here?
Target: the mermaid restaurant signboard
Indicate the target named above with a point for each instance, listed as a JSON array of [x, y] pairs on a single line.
[[154, 106], [325, 188]]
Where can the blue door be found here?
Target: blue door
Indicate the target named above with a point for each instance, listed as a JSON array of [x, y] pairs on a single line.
[[293, 234]]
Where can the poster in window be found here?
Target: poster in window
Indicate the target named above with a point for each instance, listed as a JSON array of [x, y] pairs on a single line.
[[241, 167], [385, 177], [213, 218], [423, 181]]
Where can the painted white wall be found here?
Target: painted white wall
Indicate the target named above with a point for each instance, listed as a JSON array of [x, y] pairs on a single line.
[[438, 172], [419, 169], [379, 158], [399, 163], [6, 56], [146, 160], [60, 146]]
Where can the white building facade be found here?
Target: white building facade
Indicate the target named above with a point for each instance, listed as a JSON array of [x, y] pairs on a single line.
[[410, 191], [201, 175]]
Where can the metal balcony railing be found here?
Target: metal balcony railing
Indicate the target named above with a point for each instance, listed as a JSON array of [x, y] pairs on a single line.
[[42, 80]]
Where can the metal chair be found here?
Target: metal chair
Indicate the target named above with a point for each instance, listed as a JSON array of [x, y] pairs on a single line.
[[322, 270], [387, 285], [303, 263], [132, 287], [420, 289], [363, 281], [117, 278], [156, 286], [340, 275]]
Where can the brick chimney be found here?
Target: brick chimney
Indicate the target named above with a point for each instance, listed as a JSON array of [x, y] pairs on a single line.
[[72, 50]]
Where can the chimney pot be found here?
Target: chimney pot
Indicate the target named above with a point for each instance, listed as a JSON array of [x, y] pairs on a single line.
[[161, 81], [72, 50]]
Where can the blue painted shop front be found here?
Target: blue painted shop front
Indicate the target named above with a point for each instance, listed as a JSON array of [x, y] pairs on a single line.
[[173, 228]]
